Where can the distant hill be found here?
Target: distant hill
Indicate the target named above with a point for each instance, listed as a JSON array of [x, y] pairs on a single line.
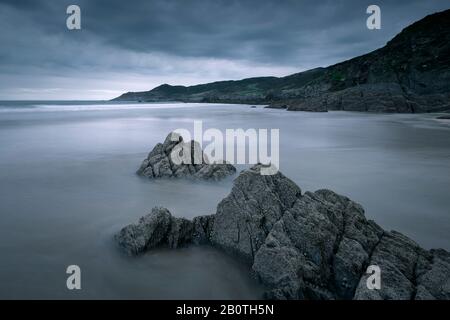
[[411, 73]]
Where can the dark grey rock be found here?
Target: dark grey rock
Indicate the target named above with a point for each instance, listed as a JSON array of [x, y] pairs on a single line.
[[318, 231], [150, 232], [245, 217], [159, 163], [215, 171], [160, 229], [202, 229], [277, 105], [433, 276], [315, 245], [397, 256]]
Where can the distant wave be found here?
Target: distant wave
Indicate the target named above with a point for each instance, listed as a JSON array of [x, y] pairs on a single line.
[[95, 107]]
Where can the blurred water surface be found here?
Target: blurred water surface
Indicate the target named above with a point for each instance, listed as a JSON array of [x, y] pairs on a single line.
[[67, 184]]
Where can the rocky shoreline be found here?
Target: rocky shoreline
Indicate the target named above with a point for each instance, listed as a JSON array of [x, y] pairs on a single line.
[[410, 74], [312, 245]]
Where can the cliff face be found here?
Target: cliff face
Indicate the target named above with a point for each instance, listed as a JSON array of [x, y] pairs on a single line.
[[410, 74]]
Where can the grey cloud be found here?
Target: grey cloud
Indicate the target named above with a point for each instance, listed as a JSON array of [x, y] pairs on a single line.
[[151, 39]]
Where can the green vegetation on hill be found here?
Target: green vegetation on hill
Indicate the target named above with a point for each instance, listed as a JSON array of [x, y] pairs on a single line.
[[410, 74]]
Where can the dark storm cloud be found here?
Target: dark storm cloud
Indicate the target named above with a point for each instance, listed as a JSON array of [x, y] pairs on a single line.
[[144, 42]]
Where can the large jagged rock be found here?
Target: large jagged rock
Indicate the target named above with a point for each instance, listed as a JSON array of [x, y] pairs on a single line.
[[245, 217], [315, 245], [324, 239], [159, 162]]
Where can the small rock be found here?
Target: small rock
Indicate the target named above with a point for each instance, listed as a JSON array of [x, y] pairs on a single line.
[[159, 162], [160, 229]]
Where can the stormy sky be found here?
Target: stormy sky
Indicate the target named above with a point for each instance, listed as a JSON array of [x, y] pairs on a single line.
[[135, 45]]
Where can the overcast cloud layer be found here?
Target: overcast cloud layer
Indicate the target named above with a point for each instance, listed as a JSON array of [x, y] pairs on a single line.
[[135, 45]]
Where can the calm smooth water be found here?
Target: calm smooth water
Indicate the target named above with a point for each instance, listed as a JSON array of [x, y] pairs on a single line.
[[67, 184]]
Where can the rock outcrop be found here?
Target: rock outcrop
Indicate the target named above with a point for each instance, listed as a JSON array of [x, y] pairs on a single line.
[[160, 161], [310, 105], [312, 245], [410, 74], [160, 229]]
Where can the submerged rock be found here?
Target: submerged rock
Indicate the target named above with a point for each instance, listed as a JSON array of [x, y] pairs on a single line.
[[160, 164], [277, 105], [309, 105], [315, 245]]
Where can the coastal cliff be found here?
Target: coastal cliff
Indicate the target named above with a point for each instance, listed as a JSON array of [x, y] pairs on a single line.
[[410, 74]]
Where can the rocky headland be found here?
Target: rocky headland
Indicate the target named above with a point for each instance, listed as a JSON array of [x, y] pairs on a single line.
[[410, 74], [311, 245], [159, 162]]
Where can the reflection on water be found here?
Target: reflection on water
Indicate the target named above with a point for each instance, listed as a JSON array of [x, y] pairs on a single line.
[[67, 184]]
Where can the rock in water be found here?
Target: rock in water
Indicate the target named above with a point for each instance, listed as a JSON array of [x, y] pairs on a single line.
[[150, 232], [315, 245], [159, 162], [245, 217], [160, 229]]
